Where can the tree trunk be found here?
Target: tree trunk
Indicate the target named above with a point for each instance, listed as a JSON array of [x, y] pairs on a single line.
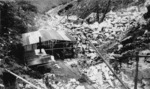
[[97, 11], [106, 10]]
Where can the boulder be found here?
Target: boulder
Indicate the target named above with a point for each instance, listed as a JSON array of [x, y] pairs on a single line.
[[80, 87]]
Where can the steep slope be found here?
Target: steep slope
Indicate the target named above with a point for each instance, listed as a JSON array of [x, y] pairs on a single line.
[[45, 5], [84, 7]]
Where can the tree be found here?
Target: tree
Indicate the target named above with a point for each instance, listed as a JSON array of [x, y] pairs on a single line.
[[105, 11]]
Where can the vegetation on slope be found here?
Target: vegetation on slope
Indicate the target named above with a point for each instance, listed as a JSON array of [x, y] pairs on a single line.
[[45, 5], [85, 7], [15, 20]]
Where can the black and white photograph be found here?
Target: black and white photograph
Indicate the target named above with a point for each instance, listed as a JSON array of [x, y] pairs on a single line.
[[74, 44]]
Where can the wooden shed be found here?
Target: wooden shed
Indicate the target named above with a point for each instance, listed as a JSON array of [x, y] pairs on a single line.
[[57, 43]]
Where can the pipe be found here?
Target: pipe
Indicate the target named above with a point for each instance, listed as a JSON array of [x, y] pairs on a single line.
[[40, 44], [22, 79], [108, 65]]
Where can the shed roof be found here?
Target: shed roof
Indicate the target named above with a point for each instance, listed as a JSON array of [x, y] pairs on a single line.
[[46, 35]]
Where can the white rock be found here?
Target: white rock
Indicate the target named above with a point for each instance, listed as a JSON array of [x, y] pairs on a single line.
[[120, 46], [80, 87], [99, 78], [147, 87], [72, 80], [94, 25], [73, 17]]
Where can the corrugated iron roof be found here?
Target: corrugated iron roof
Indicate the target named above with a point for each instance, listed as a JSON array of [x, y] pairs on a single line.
[[46, 35]]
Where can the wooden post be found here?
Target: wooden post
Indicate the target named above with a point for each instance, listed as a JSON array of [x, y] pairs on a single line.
[[72, 48], [52, 45], [40, 44], [64, 49], [136, 72]]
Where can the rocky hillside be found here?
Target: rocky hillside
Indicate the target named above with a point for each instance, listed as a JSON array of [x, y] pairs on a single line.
[[122, 32]]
